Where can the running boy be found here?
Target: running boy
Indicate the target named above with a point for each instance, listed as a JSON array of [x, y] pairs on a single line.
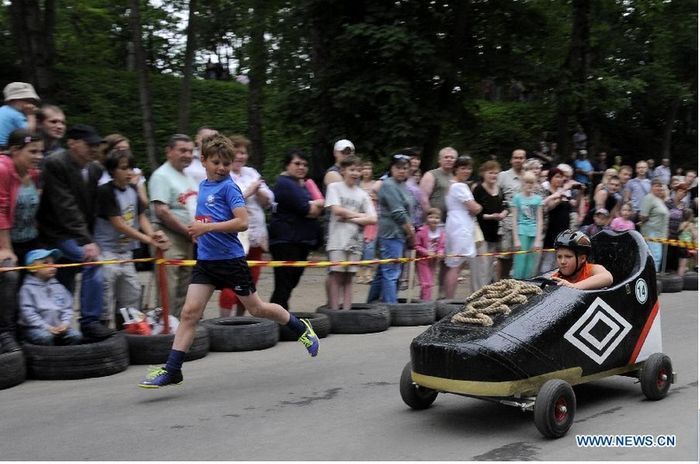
[[221, 263], [573, 249], [351, 208]]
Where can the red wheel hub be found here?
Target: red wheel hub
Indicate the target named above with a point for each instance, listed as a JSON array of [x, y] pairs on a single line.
[[561, 410], [661, 379]]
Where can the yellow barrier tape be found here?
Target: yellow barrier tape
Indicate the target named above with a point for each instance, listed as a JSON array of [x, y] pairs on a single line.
[[367, 262]]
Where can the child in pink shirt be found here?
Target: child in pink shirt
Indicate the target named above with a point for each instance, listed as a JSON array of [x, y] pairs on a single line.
[[430, 241], [624, 221]]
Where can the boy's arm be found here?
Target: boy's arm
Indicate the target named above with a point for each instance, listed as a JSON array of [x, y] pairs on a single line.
[[239, 223], [538, 233], [27, 308], [516, 239], [599, 278]]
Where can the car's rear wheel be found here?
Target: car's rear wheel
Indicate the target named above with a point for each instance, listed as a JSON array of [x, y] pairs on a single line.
[[555, 407], [656, 375]]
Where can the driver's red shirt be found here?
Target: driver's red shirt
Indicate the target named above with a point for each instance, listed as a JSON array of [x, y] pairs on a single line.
[[585, 272]]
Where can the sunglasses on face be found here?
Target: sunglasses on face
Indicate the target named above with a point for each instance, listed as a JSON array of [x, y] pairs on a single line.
[[300, 163]]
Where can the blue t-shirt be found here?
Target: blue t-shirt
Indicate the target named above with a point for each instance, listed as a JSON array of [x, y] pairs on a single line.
[[10, 119], [215, 203], [587, 167]]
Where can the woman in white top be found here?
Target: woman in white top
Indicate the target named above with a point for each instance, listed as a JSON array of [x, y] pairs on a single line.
[[258, 196], [459, 228]]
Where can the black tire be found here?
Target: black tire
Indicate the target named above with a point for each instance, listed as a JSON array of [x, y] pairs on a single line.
[[154, 349], [555, 407], [241, 333], [411, 314], [319, 322], [413, 395], [659, 287], [106, 357], [690, 281], [13, 369], [655, 376], [447, 307], [361, 318], [672, 283]]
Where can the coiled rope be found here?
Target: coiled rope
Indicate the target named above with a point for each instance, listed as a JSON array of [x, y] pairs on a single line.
[[494, 298]]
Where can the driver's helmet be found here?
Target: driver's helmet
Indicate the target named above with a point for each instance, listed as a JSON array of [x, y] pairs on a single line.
[[577, 241]]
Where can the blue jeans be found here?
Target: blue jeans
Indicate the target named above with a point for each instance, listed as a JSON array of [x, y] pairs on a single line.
[[91, 284], [385, 280], [38, 336]]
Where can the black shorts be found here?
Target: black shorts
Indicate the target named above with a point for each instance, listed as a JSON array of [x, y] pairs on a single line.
[[225, 273]]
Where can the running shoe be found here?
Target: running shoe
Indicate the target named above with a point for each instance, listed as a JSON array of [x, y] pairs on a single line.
[[309, 338], [160, 377]]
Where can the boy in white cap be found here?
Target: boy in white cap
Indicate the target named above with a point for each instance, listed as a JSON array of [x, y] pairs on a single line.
[[19, 110], [46, 307], [341, 149]]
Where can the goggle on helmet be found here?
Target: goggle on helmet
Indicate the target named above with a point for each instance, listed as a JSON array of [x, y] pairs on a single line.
[[577, 241]]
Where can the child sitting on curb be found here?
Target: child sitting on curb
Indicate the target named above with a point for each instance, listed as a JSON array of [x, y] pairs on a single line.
[[46, 307]]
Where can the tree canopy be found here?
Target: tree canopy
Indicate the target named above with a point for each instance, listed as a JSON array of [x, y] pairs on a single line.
[[482, 76]]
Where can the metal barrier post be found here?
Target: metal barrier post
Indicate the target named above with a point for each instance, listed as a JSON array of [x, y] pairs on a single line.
[[163, 290]]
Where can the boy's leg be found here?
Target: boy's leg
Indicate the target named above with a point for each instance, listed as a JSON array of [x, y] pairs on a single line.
[[335, 289], [171, 374], [196, 300], [38, 336], [347, 289], [277, 313]]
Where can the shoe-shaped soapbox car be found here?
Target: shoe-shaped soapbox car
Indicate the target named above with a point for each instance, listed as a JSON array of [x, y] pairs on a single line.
[[531, 356]]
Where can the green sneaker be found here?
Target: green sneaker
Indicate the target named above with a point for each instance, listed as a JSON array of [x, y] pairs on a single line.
[[309, 338], [160, 377]]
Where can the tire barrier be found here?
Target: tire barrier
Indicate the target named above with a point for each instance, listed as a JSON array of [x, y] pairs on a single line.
[[98, 359], [241, 333], [13, 369], [411, 314], [154, 349], [671, 283], [361, 318], [320, 322], [690, 281], [447, 307]]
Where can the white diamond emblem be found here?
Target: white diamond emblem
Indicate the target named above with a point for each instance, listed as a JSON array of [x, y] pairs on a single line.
[[598, 344]]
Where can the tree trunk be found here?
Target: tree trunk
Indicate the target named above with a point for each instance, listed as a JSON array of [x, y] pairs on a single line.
[[445, 97], [256, 85], [668, 127], [570, 95], [183, 122], [144, 84], [33, 29]]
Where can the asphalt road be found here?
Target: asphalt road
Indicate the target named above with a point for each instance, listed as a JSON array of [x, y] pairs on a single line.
[[279, 404]]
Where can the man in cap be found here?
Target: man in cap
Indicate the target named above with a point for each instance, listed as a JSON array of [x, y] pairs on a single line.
[[19, 110], [67, 214], [341, 149]]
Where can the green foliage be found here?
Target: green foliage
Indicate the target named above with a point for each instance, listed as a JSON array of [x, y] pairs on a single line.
[[109, 101]]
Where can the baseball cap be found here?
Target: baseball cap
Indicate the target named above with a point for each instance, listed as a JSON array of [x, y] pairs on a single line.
[[342, 144], [84, 132], [41, 253], [602, 211], [20, 91]]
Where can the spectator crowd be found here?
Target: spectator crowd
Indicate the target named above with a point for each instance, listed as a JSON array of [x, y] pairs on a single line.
[[69, 195]]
